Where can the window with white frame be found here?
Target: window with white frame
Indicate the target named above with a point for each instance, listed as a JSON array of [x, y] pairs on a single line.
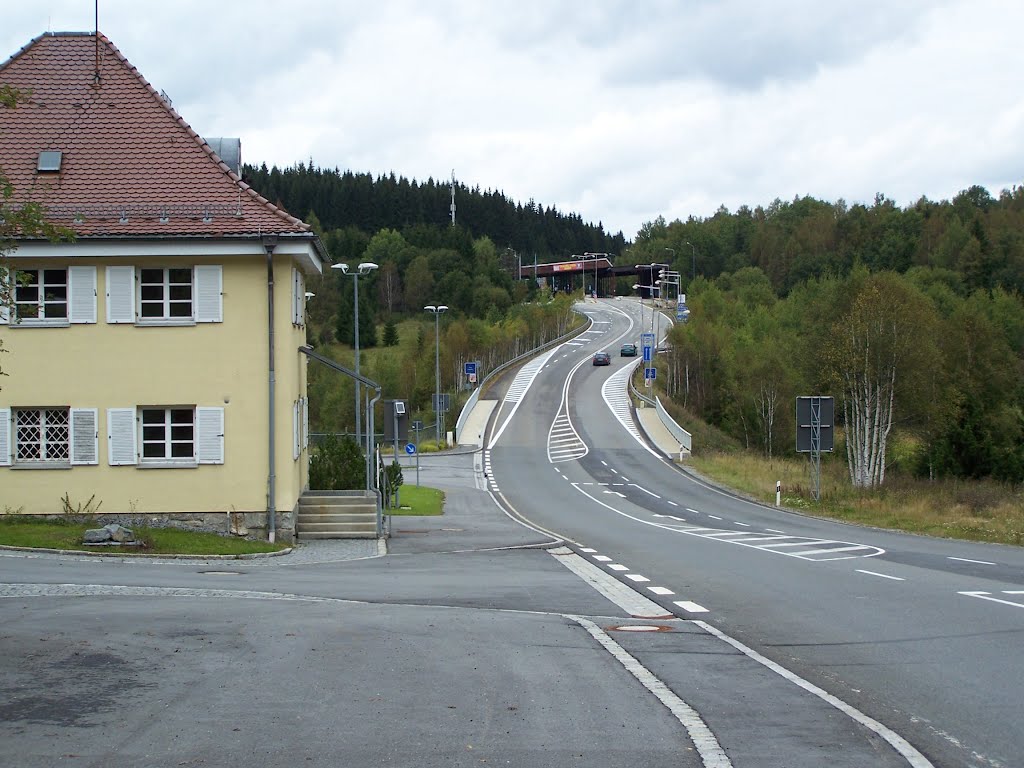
[[168, 434], [165, 294], [165, 436], [47, 437], [41, 294], [49, 296], [42, 435]]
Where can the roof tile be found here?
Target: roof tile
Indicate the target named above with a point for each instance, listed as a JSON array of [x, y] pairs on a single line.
[[129, 159]]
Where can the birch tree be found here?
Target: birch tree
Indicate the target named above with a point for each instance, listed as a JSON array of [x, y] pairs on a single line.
[[880, 350]]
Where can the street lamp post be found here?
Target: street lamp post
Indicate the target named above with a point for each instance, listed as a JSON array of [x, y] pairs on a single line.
[[363, 269], [637, 286], [693, 274], [437, 310]]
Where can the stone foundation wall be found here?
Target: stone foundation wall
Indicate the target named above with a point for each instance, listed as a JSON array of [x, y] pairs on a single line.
[[251, 525]]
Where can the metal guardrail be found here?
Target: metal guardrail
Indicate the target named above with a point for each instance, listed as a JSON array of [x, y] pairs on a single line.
[[685, 438], [468, 407], [638, 394]]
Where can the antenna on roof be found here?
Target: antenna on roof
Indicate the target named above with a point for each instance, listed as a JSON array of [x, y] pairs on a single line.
[[96, 34]]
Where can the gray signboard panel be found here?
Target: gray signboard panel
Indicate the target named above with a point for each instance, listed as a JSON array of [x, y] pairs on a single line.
[[807, 409]]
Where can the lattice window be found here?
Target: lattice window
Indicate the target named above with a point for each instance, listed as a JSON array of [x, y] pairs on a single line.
[[42, 434], [165, 294], [42, 294], [168, 434]]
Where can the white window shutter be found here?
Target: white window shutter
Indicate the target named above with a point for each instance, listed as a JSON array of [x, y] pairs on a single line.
[[121, 436], [5, 437], [120, 294], [295, 429], [85, 447], [210, 435], [82, 294], [7, 286], [300, 298], [305, 422], [209, 280]]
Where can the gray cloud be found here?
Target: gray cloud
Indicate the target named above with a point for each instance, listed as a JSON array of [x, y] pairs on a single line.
[[620, 111]]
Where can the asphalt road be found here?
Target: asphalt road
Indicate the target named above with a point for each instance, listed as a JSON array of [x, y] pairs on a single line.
[[923, 636], [662, 635]]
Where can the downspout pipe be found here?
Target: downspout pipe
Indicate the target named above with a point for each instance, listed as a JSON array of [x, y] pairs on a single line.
[[269, 244], [372, 458]]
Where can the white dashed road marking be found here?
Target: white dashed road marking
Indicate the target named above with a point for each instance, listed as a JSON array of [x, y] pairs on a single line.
[[690, 607]]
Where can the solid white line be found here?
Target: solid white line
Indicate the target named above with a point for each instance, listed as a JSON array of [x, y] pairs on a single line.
[[802, 543], [711, 753], [966, 560], [764, 538], [690, 607], [661, 591], [986, 596], [636, 577], [880, 575], [645, 491], [901, 745], [829, 551]]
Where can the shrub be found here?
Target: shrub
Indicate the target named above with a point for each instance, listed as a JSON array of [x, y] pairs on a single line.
[[337, 464]]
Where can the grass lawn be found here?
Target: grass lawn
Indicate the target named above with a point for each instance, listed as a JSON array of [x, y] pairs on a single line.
[[418, 501], [976, 510], [19, 531]]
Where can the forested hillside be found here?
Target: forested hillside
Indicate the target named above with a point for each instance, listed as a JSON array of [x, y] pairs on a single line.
[[347, 200], [911, 318]]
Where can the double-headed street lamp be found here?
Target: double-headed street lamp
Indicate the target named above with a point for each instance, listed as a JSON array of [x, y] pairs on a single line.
[[437, 310], [362, 270]]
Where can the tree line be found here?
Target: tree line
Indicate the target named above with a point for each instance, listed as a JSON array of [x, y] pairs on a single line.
[[912, 318], [360, 201]]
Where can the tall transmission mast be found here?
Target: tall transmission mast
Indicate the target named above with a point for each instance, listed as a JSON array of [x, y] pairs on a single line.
[[453, 197]]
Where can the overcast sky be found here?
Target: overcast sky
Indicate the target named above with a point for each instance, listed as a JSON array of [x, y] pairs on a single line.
[[619, 111]]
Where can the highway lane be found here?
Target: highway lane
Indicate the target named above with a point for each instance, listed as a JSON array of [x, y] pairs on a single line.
[[923, 635]]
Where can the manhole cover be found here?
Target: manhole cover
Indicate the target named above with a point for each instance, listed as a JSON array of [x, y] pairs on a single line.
[[640, 628]]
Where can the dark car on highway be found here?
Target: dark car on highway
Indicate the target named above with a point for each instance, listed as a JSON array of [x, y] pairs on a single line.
[[628, 350], [602, 358]]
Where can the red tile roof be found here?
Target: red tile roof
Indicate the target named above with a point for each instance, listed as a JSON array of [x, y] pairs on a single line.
[[131, 165]]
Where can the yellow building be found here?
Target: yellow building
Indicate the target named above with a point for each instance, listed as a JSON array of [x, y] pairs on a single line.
[[153, 363]]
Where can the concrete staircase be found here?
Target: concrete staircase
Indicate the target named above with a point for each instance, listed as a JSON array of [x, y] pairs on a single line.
[[336, 515]]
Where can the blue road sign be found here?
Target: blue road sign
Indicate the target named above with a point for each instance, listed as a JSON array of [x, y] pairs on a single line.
[[470, 369], [682, 312], [650, 373], [647, 339], [410, 448], [647, 354]]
